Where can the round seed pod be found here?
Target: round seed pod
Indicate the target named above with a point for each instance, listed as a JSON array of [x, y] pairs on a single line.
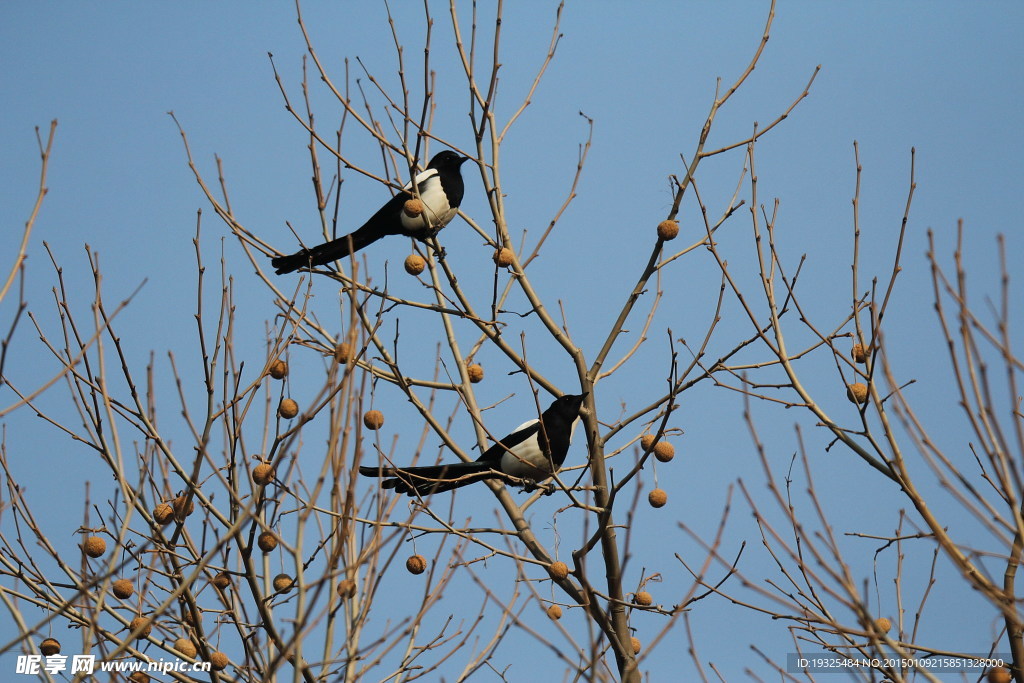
[[413, 208], [475, 372], [504, 257], [94, 546], [139, 677], [267, 541], [163, 514], [642, 598], [417, 564], [263, 474], [278, 369], [883, 624], [373, 419], [559, 569], [414, 264], [668, 230], [342, 352], [283, 583], [221, 580], [50, 646], [860, 353], [288, 408], [346, 589], [999, 675], [664, 451], [554, 612], [857, 392], [122, 588], [218, 661], [646, 441], [141, 627], [657, 498], [186, 647], [181, 510], [635, 642]]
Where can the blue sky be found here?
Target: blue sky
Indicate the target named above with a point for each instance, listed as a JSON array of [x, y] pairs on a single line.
[[944, 78]]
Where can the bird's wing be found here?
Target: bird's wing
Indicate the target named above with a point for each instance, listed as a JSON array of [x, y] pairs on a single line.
[[515, 432], [520, 434], [421, 179]]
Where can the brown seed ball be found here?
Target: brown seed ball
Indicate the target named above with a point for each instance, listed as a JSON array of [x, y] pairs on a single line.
[[657, 498], [664, 451], [50, 646], [635, 642], [374, 419], [278, 369], [186, 647], [646, 441], [94, 546], [554, 612], [283, 583], [413, 207], [342, 352], [668, 230], [475, 372], [122, 588], [883, 624], [139, 677], [504, 257], [163, 513], [218, 661], [642, 598], [857, 392], [141, 627], [263, 474], [999, 675], [222, 580], [288, 408], [267, 541], [346, 588], [860, 353], [417, 564], [181, 510], [559, 570], [414, 264]]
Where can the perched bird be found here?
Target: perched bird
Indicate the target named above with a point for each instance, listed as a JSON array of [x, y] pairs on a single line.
[[534, 451], [440, 190]]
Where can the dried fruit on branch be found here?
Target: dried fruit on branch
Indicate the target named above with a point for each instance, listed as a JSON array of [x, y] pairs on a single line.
[[657, 498]]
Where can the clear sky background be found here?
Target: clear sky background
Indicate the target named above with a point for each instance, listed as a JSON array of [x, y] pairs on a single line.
[[945, 78]]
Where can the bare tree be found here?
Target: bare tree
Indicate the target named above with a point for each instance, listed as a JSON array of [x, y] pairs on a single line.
[[238, 534]]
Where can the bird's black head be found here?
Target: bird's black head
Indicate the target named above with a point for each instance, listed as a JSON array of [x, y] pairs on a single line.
[[447, 159], [569, 405]]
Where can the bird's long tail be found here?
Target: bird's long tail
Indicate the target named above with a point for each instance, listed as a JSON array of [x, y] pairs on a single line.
[[430, 478], [325, 253]]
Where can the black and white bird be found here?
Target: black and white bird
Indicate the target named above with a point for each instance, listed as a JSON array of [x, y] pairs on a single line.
[[534, 451], [440, 188]]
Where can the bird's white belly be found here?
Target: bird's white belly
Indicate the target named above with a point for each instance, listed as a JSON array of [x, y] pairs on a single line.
[[526, 460], [437, 212], [526, 463]]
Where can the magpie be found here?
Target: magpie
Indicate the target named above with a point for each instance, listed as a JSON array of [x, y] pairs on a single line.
[[534, 451], [440, 189]]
